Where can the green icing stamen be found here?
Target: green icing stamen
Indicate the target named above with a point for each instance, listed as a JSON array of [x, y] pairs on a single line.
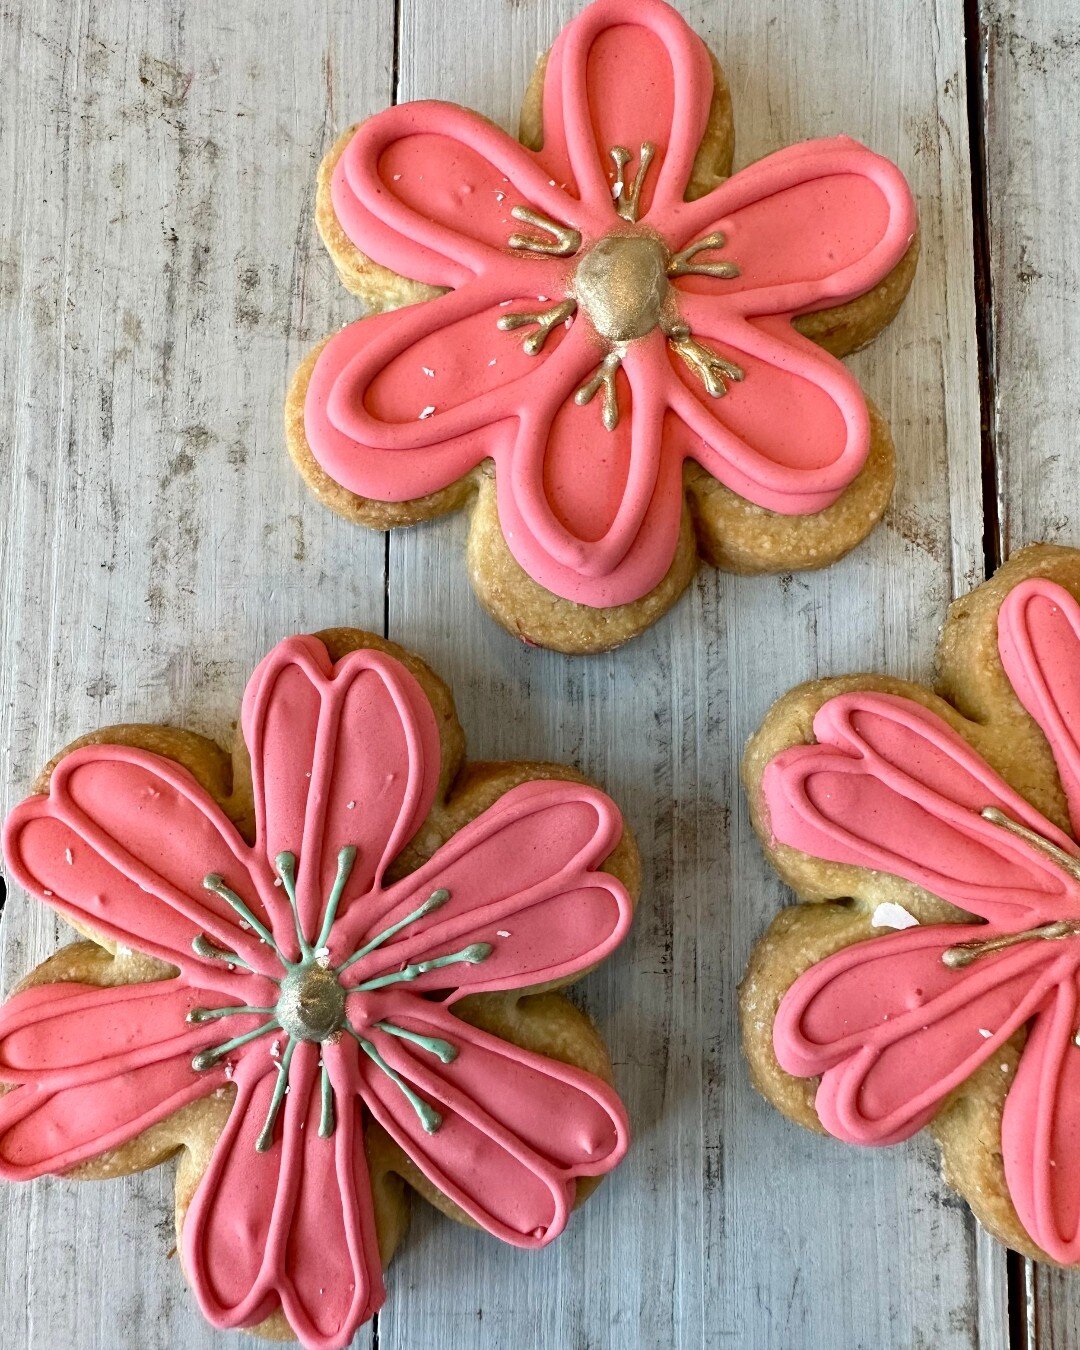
[[429, 1117], [326, 1119], [208, 1014], [432, 1044], [266, 1135], [435, 901], [345, 859], [215, 883], [286, 869], [210, 951], [206, 1059], [473, 954]]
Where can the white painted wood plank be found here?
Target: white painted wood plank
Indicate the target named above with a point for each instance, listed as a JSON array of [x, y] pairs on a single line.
[[727, 1226], [160, 276], [1033, 180]]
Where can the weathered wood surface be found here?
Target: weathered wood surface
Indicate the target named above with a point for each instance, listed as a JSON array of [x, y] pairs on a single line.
[[159, 276], [1032, 52], [160, 279]]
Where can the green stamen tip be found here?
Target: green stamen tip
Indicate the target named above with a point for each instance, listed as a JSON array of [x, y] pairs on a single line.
[[435, 901], [285, 863], [204, 1061], [479, 951], [427, 1115], [434, 1045], [198, 1015], [346, 856], [212, 881]]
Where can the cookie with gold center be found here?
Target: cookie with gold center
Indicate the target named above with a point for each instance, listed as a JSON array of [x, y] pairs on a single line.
[[616, 356], [317, 971]]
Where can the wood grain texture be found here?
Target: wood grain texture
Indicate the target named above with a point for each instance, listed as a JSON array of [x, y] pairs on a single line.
[[727, 1226], [1032, 52], [160, 278]]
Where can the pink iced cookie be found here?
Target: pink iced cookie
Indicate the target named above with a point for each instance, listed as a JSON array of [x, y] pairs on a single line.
[[603, 335], [281, 944], [949, 993]]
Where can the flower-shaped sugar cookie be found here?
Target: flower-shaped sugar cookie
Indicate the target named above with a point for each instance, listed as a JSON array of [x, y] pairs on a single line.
[[948, 995], [307, 975], [614, 353]]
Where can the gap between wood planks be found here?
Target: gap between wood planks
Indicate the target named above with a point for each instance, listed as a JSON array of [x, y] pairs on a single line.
[[1020, 1272]]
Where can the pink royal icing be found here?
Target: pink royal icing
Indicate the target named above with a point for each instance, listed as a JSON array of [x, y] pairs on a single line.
[[406, 403], [320, 990], [893, 1024]]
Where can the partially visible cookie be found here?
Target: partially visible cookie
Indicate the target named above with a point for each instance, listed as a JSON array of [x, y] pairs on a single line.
[[932, 976], [617, 357], [317, 972]]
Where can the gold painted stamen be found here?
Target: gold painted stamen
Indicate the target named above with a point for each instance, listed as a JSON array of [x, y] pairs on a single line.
[[603, 376], [964, 953], [1058, 856], [710, 368], [681, 263], [627, 204], [545, 319], [564, 240]]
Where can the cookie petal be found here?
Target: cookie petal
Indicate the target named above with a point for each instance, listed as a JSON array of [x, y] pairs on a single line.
[[516, 1128], [592, 514], [1039, 641], [520, 879], [97, 1067], [291, 1225], [403, 404], [428, 190], [892, 1029], [792, 430], [122, 844], [1040, 1129], [343, 755], [891, 787], [809, 227], [613, 82]]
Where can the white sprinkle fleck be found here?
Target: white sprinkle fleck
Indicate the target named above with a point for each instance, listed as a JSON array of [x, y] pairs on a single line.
[[275, 1049], [492, 361], [500, 196], [1004, 1068], [891, 915], [504, 303], [322, 956], [278, 881], [616, 188], [501, 932], [984, 1033], [245, 925], [428, 372], [46, 892], [308, 774], [67, 857], [426, 412], [229, 1069], [551, 182], [542, 298], [350, 806], [396, 177]]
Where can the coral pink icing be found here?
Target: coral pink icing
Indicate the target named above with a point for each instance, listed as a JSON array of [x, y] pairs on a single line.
[[405, 403], [890, 1026], [344, 757]]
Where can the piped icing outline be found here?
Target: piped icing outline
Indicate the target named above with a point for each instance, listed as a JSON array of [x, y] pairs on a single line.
[[405, 403], [892, 1024], [319, 989]]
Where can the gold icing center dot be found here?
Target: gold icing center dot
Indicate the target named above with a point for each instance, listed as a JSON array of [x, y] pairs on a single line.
[[622, 285]]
